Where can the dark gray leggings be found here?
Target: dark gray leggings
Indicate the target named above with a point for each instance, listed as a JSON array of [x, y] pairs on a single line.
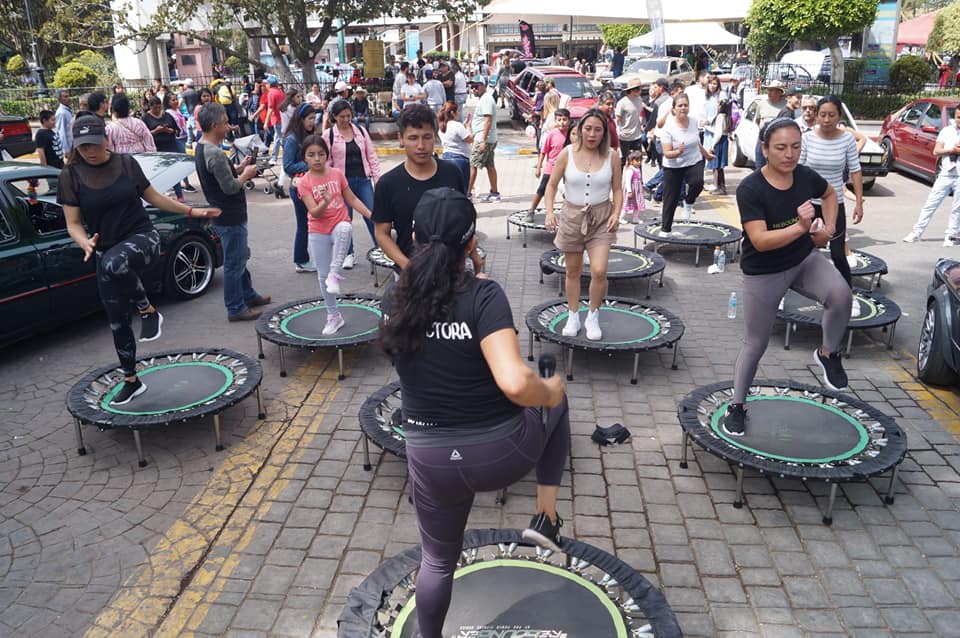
[[814, 277], [443, 488]]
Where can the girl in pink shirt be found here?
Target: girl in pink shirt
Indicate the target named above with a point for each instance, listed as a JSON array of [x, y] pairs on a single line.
[[325, 193]]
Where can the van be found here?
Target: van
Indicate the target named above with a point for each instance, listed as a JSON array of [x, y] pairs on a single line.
[[817, 63]]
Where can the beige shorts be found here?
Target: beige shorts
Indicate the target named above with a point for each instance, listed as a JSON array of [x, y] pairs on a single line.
[[582, 227], [482, 159]]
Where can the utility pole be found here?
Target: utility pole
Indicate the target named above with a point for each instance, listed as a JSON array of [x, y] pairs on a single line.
[[42, 90]]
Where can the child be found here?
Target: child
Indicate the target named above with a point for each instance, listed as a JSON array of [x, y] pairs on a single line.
[[553, 144], [325, 193], [49, 148], [633, 201]]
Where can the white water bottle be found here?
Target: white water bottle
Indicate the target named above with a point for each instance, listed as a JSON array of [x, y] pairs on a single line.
[[722, 260], [732, 306], [716, 257]]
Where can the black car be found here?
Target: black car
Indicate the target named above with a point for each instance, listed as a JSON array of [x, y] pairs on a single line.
[[17, 136], [938, 355], [44, 281]]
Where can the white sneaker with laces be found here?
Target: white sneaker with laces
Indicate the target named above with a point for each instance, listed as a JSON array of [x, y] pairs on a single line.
[[911, 237], [855, 308], [592, 324], [687, 211], [334, 323], [333, 283], [572, 327], [349, 262], [950, 241]]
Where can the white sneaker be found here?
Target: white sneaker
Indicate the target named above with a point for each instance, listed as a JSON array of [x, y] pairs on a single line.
[[572, 327], [911, 237], [950, 241], [780, 307], [855, 308], [852, 261], [349, 262], [592, 324], [687, 211], [334, 323], [664, 233], [333, 283]]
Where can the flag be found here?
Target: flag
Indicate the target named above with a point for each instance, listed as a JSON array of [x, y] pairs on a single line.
[[527, 43]]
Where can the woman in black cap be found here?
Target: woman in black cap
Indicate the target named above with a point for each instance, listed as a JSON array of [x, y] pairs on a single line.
[[101, 192], [471, 414]]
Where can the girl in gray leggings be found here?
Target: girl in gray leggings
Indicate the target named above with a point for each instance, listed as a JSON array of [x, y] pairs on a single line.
[[780, 243]]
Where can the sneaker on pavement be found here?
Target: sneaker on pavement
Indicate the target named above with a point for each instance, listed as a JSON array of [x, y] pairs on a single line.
[[259, 300], [247, 315], [544, 532], [334, 323], [307, 267], [190, 188], [950, 241], [128, 391], [834, 376], [911, 237], [592, 325], [490, 197], [332, 283], [349, 262], [150, 323], [734, 421], [572, 327]]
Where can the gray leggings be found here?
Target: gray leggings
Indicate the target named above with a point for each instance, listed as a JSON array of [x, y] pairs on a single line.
[[328, 253], [814, 277]]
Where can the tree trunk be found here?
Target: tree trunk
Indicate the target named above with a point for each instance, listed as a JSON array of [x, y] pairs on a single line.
[[836, 68]]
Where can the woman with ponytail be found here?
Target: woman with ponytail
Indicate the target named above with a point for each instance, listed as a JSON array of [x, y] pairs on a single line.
[[471, 407], [455, 138]]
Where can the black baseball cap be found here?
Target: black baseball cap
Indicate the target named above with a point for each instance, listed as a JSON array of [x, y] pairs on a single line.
[[795, 91], [444, 215], [88, 129]]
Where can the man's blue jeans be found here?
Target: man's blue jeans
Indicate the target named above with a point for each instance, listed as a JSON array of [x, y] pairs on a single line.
[[363, 189], [237, 283]]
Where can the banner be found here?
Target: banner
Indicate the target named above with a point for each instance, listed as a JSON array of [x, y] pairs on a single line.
[[881, 44], [373, 58], [527, 42], [655, 16], [413, 45]]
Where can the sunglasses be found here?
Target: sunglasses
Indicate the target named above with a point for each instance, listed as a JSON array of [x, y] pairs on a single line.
[[808, 108]]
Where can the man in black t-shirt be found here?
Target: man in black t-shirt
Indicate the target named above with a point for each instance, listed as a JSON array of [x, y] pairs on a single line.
[[49, 148], [398, 191]]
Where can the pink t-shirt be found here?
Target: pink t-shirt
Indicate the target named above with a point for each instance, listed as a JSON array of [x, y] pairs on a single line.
[[333, 182], [551, 149]]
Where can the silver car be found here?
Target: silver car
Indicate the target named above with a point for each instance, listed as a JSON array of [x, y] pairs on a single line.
[[651, 69]]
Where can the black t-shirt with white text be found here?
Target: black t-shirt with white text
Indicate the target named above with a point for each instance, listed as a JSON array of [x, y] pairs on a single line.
[[49, 141], [758, 200], [447, 382]]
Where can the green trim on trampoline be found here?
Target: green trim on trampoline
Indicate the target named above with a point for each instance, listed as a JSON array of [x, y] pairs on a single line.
[[656, 325], [411, 604], [334, 337], [227, 372], [869, 303], [859, 447], [560, 261]]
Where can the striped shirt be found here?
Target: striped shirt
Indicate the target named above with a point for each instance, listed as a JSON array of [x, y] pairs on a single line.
[[831, 159], [129, 135]]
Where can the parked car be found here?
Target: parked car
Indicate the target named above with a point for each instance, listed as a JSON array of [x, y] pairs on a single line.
[[744, 142], [938, 353], [521, 89], [17, 136], [650, 69], [909, 134], [44, 281], [818, 64]]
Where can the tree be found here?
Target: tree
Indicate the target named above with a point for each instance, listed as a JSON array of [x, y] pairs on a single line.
[[616, 36], [945, 35], [16, 65], [773, 21], [75, 75]]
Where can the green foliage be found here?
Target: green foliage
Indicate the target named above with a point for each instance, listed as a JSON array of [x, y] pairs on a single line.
[[16, 65], [945, 35], [234, 64], [865, 105], [616, 36], [74, 75], [909, 73], [853, 71]]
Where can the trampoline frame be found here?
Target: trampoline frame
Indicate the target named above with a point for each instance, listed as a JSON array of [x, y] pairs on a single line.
[[890, 455], [523, 224], [872, 273], [736, 236], [628, 589], [794, 320], [382, 261], [668, 339], [85, 395], [266, 330], [657, 267]]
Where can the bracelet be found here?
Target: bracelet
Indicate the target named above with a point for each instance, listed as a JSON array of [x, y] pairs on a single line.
[[190, 211]]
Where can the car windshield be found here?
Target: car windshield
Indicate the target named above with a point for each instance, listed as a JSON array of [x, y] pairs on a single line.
[[163, 170], [575, 87], [657, 66]]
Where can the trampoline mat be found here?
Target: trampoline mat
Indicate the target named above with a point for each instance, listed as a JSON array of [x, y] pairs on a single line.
[[624, 262], [359, 320], [520, 219], [691, 232], [867, 264], [173, 387], [796, 430], [874, 310], [619, 325], [377, 257], [522, 598]]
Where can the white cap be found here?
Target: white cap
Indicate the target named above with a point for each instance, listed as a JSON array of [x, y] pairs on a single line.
[[188, 82], [340, 86]]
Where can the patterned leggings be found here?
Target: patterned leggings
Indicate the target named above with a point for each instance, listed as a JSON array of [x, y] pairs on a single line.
[[118, 278]]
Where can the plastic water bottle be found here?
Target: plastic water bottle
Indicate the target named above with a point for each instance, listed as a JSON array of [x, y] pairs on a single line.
[[716, 257], [722, 261], [732, 306]]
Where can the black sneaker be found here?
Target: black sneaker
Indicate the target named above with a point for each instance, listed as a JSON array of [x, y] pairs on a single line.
[[734, 420], [128, 392], [150, 323], [544, 533], [190, 188], [833, 375]]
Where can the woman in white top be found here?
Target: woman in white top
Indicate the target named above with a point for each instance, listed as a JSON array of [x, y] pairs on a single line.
[[590, 216], [460, 88], [683, 157], [456, 139]]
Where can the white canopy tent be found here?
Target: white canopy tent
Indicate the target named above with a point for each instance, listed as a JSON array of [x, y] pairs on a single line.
[[687, 34], [612, 11]]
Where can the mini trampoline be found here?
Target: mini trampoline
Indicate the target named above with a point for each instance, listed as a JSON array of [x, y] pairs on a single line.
[[628, 326], [867, 266], [505, 588], [691, 233], [181, 386], [521, 219], [378, 259], [624, 263], [299, 324], [876, 311], [796, 431]]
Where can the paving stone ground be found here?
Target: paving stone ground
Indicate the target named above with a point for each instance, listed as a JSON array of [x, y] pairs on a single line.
[[268, 537]]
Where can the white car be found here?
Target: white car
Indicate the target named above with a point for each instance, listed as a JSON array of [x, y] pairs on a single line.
[[650, 69], [744, 143]]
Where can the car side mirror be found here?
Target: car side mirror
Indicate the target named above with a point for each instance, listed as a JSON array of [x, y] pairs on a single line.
[[929, 129]]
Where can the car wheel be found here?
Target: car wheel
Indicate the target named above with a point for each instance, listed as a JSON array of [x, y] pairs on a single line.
[[249, 185], [189, 268], [739, 159], [931, 366], [887, 153]]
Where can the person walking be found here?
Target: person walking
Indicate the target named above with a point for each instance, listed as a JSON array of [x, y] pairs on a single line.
[[484, 127], [302, 124], [553, 144], [715, 134], [127, 134], [683, 158], [63, 121], [455, 139], [629, 118], [49, 148], [947, 149]]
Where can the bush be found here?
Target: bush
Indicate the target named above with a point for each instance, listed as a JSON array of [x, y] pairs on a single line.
[[868, 105], [235, 65], [101, 64], [25, 108], [853, 69], [16, 65], [74, 75], [909, 73]]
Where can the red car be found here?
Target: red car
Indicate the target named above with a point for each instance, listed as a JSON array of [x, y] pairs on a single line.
[[522, 87], [909, 135]]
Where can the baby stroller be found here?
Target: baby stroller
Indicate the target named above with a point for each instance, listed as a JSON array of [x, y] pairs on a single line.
[[252, 145]]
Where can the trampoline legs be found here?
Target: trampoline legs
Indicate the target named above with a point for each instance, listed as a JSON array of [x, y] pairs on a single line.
[[893, 331], [283, 363], [501, 496], [650, 286], [341, 376], [570, 364], [530, 352], [888, 499], [696, 261], [76, 426], [636, 365], [738, 498], [660, 284], [676, 350], [828, 517], [524, 237], [366, 453], [786, 337], [508, 230], [216, 432], [259, 346], [142, 462], [262, 413], [683, 451], [849, 341]]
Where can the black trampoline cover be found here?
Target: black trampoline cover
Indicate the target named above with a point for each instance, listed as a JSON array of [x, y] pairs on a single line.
[[174, 386], [619, 325], [308, 324]]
